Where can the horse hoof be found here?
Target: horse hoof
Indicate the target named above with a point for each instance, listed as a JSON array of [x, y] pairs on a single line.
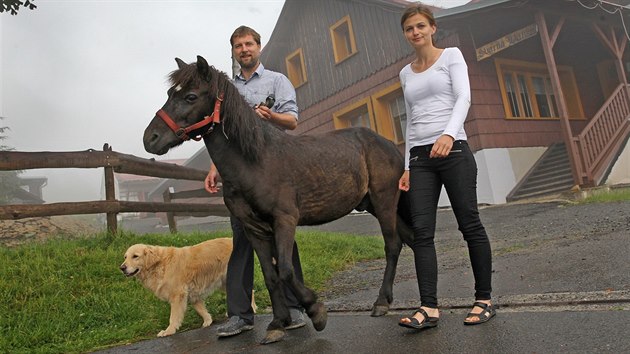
[[318, 316], [379, 310], [273, 336]]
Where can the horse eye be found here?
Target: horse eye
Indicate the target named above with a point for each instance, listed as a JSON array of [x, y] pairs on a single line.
[[191, 97]]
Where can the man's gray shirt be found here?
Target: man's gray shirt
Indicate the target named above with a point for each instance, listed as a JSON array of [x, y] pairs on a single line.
[[264, 83]]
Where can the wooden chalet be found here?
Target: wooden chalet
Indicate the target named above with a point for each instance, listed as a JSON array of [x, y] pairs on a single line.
[[30, 191], [549, 78], [137, 188]]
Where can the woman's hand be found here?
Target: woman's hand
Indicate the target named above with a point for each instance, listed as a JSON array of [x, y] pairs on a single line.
[[442, 146], [403, 182]]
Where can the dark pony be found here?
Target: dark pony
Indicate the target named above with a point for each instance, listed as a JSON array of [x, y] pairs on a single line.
[[273, 181]]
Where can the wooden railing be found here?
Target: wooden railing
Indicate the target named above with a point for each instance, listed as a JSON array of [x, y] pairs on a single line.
[[603, 136], [217, 209], [111, 162]]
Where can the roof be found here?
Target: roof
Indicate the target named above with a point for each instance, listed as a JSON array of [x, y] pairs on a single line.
[[26, 197], [33, 180], [200, 160], [471, 6]]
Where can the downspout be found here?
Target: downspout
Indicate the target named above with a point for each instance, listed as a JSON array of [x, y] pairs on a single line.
[[547, 44]]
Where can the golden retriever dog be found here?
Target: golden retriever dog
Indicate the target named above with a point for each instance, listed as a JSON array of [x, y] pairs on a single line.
[[180, 275]]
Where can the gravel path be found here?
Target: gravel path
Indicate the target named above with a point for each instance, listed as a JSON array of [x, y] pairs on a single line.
[[537, 248]]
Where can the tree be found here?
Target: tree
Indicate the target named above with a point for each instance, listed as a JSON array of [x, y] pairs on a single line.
[[13, 6], [9, 180]]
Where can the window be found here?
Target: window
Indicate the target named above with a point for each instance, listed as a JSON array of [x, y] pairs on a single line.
[[390, 113], [358, 114], [343, 39], [398, 114], [545, 99], [384, 112], [527, 91], [359, 118], [295, 68]]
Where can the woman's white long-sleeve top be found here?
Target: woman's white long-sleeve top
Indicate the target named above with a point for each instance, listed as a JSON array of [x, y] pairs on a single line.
[[437, 100]]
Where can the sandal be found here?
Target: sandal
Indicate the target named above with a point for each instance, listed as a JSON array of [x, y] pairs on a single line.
[[488, 311], [428, 322]]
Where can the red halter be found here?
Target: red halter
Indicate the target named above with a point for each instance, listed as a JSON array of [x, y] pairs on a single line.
[[182, 133]]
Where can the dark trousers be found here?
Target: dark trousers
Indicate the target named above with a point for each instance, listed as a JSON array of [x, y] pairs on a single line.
[[240, 275], [458, 174]]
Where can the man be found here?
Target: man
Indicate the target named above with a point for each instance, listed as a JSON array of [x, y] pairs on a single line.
[[255, 83]]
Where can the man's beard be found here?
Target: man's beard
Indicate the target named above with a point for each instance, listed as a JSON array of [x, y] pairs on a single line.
[[248, 65]]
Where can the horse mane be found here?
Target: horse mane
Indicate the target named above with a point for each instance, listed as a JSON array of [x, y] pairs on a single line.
[[241, 124]]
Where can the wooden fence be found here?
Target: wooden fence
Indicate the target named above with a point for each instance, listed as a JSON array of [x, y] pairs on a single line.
[[111, 162]]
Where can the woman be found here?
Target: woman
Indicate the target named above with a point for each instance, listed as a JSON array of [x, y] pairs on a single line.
[[437, 96]]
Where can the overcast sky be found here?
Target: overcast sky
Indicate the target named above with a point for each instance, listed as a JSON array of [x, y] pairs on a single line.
[[77, 74]]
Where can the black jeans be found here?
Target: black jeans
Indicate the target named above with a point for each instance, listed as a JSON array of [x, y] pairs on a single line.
[[240, 275], [458, 174]]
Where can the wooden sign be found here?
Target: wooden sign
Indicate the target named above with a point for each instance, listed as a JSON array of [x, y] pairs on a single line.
[[506, 41]]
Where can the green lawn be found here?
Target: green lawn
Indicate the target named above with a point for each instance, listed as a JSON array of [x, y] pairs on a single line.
[[68, 295], [607, 195]]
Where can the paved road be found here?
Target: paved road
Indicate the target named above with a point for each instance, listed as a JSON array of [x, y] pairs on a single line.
[[561, 281]]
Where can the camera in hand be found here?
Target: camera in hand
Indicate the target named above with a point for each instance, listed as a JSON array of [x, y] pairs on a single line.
[[269, 101]]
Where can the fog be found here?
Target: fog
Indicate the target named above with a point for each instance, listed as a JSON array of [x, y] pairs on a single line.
[[77, 74]]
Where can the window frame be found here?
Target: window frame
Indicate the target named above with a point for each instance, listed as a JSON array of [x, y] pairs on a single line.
[[291, 69], [341, 118], [381, 101], [529, 71], [336, 40]]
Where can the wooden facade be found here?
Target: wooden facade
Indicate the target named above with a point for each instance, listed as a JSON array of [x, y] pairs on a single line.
[[557, 48], [541, 71], [332, 85]]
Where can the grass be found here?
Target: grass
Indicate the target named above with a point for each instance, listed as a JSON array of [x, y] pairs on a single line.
[[68, 295], [607, 195]]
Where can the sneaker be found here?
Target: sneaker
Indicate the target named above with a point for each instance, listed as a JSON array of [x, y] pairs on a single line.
[[234, 326], [297, 318]]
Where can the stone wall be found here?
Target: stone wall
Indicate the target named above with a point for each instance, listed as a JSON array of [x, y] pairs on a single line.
[[15, 232]]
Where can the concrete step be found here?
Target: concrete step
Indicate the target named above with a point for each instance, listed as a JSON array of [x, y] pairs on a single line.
[[551, 175]]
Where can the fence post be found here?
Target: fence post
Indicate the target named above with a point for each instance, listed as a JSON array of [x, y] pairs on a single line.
[[170, 216], [110, 193]]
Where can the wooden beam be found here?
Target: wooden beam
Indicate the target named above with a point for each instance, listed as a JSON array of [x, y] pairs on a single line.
[[602, 37], [16, 160], [576, 167], [170, 217], [110, 194], [20, 211], [196, 193], [616, 48], [121, 163], [556, 31]]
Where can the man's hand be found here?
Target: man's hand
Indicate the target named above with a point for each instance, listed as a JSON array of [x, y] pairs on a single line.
[[283, 120], [264, 112], [210, 183]]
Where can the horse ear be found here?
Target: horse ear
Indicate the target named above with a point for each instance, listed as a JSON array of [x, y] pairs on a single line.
[[180, 63], [202, 66]]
